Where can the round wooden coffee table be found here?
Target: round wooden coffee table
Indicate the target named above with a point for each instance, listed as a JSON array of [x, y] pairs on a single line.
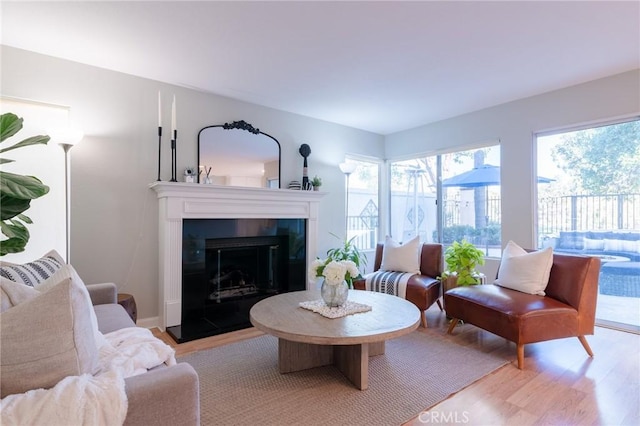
[[308, 340]]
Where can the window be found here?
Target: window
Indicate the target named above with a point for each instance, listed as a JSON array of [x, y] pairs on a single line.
[[591, 205], [470, 198], [363, 203], [413, 199]]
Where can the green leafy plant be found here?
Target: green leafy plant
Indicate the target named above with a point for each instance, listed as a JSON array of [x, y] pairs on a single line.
[[348, 251], [316, 182], [16, 191], [461, 259]]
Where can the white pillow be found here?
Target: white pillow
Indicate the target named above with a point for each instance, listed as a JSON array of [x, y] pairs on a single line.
[[401, 257], [33, 273], [14, 293], [590, 244], [18, 293], [523, 271], [46, 338], [619, 245]]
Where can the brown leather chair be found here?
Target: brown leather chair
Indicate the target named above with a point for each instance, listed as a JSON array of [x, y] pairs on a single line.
[[422, 289], [567, 310]]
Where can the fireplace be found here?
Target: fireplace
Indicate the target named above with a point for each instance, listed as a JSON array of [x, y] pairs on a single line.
[[180, 202], [228, 265]]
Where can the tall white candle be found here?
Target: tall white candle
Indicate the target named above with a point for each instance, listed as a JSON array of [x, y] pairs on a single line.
[[159, 110], [173, 116]]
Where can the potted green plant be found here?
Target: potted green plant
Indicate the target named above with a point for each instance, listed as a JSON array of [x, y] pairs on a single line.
[[348, 251], [316, 182], [461, 259], [16, 191]]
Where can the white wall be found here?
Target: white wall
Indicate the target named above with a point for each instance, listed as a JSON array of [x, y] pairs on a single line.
[[114, 231], [514, 124]]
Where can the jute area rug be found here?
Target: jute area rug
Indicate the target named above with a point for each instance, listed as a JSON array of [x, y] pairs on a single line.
[[240, 383]]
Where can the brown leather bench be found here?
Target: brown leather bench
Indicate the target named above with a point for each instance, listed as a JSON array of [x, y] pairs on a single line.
[[567, 310], [422, 289]]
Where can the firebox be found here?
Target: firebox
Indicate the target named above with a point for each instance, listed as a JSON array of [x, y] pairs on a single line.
[[228, 265]]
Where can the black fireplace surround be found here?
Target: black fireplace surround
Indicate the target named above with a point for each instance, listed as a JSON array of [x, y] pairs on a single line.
[[228, 265]]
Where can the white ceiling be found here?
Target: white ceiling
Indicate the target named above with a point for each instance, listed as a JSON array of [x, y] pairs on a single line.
[[378, 66]]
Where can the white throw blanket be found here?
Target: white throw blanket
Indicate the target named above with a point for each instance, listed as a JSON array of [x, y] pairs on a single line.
[[388, 282], [91, 400], [133, 351]]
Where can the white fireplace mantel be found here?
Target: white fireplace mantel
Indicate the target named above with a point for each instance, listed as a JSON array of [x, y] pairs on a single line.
[[178, 201]]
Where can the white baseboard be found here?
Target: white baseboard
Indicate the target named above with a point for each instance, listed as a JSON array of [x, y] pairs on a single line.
[[149, 322]]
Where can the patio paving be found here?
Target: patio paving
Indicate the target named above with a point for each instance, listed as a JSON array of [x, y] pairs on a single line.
[[619, 309]]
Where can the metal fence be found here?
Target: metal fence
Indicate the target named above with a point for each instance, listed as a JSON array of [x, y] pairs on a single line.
[[588, 213], [568, 213], [451, 211], [555, 214], [365, 230]]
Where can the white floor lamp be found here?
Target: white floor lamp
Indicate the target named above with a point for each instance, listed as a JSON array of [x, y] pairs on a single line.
[[67, 138], [347, 169]]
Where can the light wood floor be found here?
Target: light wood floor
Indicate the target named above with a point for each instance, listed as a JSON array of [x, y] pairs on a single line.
[[560, 385]]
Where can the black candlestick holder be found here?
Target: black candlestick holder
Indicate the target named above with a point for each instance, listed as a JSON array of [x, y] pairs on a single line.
[[159, 149], [174, 156]]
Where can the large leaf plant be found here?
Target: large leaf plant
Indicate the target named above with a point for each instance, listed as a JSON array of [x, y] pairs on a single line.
[[16, 191]]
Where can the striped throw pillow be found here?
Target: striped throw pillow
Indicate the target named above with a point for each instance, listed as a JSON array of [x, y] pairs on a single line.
[[33, 273]]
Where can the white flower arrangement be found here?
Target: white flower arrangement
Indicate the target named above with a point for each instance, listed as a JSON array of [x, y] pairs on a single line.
[[334, 272]]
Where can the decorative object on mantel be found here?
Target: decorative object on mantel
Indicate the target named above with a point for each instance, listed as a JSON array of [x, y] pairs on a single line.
[[316, 182], [159, 132], [349, 308], [305, 151], [174, 141], [190, 174], [207, 177], [295, 184]]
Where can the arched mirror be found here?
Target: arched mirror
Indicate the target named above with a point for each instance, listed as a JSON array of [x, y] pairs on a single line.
[[238, 154]]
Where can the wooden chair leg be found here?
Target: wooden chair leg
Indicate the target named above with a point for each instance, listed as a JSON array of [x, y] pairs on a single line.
[[423, 318], [520, 351], [452, 325], [585, 344], [439, 305]]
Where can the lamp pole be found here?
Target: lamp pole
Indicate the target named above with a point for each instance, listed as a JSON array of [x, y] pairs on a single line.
[[347, 169], [67, 138], [67, 196]]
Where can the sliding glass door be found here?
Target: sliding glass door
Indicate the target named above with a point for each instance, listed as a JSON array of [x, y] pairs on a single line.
[[469, 198], [592, 207]]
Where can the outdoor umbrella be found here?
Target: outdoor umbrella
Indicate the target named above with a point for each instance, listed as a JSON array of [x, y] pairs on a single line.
[[482, 176]]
